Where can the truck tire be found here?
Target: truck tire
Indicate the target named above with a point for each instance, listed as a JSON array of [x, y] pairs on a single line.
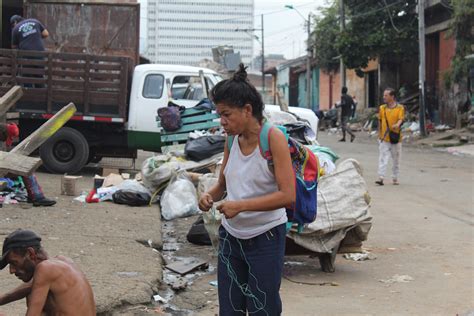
[[67, 151]]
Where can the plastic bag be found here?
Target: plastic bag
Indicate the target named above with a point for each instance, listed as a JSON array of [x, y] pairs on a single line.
[[204, 147], [179, 199], [133, 186], [131, 198], [157, 170]]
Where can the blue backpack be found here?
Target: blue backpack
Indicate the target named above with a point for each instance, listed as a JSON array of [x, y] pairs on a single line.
[[306, 170]]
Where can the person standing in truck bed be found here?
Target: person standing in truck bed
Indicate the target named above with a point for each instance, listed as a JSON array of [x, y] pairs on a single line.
[[28, 34]]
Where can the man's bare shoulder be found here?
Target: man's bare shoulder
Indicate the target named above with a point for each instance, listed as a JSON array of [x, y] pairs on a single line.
[[53, 267]]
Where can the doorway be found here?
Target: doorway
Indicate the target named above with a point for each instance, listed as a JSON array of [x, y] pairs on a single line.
[[372, 84]]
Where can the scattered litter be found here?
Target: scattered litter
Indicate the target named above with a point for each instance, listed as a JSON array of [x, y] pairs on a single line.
[[442, 127], [392, 249], [106, 194], [414, 127], [213, 283], [160, 299], [187, 265], [362, 256], [447, 274], [177, 283], [81, 198], [295, 263], [170, 246], [398, 279], [128, 274], [112, 179]]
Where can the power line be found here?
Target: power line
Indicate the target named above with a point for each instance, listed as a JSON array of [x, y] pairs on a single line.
[[264, 14]]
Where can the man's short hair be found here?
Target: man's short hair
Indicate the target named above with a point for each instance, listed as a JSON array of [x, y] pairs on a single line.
[[344, 90], [15, 19], [391, 91]]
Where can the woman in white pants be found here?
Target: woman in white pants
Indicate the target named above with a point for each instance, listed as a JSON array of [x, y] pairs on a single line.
[[391, 115]]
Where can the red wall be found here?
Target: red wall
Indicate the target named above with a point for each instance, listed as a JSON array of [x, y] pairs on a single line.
[[447, 49], [325, 101]]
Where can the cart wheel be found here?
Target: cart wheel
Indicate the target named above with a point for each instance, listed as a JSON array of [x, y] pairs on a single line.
[[327, 261]]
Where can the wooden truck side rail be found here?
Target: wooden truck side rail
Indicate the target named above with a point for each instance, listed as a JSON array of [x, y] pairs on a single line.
[[98, 85]]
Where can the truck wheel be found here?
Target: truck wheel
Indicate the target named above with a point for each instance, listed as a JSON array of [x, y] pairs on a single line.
[[67, 151]]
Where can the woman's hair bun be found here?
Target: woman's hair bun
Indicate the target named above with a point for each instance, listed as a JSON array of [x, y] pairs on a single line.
[[241, 73]]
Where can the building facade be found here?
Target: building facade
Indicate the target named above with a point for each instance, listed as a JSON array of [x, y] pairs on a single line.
[[185, 31]]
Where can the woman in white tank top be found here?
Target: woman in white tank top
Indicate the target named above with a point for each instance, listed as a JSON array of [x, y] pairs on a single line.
[[252, 234]]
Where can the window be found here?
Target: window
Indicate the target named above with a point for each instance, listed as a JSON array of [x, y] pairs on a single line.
[[189, 87], [153, 87]]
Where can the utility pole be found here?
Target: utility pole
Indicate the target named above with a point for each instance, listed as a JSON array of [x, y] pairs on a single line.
[[308, 56], [308, 64], [262, 41], [422, 73], [342, 68], [263, 60]]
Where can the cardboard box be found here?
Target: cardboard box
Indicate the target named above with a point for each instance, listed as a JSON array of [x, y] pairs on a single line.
[[69, 185], [107, 171]]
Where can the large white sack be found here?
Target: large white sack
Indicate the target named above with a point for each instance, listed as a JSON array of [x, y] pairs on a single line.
[[343, 204]]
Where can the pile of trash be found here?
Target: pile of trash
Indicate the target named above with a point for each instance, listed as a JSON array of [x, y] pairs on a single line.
[[12, 191]]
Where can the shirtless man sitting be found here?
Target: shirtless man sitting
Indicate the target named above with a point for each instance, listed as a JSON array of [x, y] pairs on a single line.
[[53, 286]]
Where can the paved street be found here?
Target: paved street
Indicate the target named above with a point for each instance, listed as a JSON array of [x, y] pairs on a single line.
[[422, 229]]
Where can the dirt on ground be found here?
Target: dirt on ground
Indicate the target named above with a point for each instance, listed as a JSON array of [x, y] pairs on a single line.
[[109, 242], [422, 242]]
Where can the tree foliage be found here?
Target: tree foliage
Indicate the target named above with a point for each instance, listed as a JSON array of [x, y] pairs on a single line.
[[462, 29], [384, 29], [325, 34]]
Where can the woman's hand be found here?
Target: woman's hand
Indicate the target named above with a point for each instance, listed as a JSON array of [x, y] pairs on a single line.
[[205, 202], [230, 208]]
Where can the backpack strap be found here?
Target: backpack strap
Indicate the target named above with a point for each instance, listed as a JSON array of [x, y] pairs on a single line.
[[230, 141], [264, 140]]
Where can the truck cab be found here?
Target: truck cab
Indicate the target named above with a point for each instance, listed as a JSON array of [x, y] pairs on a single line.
[[153, 86]]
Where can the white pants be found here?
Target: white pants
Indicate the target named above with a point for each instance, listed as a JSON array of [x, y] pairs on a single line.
[[386, 150]]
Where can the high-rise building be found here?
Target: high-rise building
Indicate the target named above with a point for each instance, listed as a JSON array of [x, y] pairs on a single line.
[[185, 31]]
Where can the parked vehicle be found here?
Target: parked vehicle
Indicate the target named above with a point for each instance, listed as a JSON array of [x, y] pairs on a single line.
[[117, 100]]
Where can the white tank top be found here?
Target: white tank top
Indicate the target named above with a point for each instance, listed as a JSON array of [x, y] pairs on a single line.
[[248, 177]]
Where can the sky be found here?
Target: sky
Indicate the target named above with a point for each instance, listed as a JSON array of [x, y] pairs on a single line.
[[284, 31]]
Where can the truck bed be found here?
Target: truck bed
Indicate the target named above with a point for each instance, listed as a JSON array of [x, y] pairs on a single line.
[[98, 85]]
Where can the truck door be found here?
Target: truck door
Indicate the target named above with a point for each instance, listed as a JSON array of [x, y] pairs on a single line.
[[187, 89], [148, 96]]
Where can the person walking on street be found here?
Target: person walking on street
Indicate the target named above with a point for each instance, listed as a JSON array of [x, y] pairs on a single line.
[[391, 115], [253, 230], [347, 104]]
